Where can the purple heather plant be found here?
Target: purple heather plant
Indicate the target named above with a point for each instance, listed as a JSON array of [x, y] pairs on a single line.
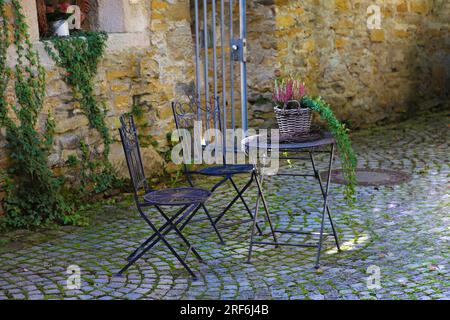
[[288, 89]]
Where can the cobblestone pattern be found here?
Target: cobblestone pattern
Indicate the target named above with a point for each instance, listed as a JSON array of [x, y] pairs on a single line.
[[404, 230]]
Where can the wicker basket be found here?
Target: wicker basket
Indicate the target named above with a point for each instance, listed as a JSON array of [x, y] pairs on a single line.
[[293, 121]]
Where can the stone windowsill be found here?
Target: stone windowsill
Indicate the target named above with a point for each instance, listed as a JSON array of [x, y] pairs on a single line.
[[116, 42]]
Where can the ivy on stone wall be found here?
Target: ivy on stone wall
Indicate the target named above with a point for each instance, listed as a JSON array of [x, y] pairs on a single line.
[[4, 70], [33, 195], [79, 56]]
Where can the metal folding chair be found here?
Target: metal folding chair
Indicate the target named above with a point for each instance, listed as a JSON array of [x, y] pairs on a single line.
[[185, 114], [189, 200]]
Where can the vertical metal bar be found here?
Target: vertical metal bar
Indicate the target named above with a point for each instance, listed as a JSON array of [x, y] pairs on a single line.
[[197, 62], [232, 98], [224, 83], [206, 62], [214, 37], [243, 64], [233, 126], [216, 98]]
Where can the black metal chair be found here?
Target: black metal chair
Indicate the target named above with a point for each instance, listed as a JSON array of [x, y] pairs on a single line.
[[188, 199], [185, 113]]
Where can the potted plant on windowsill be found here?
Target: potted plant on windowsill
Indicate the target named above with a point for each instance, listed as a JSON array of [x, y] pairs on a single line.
[[57, 19]]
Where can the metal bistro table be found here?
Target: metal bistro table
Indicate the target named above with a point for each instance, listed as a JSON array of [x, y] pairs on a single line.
[[316, 142]]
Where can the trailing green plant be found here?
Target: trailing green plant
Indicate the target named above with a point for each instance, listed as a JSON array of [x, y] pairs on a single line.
[[143, 126], [79, 56], [4, 44], [33, 194], [97, 175], [340, 133], [137, 110]]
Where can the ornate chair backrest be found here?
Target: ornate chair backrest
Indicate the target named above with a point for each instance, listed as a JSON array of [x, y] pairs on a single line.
[[130, 143], [187, 112], [191, 111]]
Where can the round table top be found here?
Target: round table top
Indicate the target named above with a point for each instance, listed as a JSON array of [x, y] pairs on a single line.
[[252, 142]]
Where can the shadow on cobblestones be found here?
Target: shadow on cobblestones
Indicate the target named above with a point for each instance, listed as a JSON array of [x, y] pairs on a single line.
[[404, 230]]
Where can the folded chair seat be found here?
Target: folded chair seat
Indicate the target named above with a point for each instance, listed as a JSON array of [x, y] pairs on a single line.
[[177, 196], [228, 169]]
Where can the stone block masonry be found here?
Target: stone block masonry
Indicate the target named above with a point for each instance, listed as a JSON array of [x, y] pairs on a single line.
[[368, 76], [148, 59]]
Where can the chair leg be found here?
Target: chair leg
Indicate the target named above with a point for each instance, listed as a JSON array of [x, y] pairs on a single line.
[[330, 218], [191, 215], [161, 229], [218, 184], [245, 204], [208, 215], [178, 232], [325, 205], [220, 216], [213, 224], [161, 237]]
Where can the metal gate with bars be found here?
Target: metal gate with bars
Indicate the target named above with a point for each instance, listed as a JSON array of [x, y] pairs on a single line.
[[220, 60]]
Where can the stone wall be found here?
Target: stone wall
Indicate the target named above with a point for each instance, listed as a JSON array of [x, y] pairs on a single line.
[[369, 76], [148, 62]]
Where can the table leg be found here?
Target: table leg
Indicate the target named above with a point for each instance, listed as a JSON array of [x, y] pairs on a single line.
[[325, 206], [252, 234], [255, 217], [316, 173], [266, 207]]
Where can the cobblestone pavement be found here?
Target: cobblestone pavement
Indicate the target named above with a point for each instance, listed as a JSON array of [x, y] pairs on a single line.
[[402, 230]]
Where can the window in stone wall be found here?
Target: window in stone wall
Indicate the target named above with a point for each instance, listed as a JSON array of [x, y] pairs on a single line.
[[81, 12], [112, 16]]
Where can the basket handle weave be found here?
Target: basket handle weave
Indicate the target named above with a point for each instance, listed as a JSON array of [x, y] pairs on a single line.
[[285, 105]]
